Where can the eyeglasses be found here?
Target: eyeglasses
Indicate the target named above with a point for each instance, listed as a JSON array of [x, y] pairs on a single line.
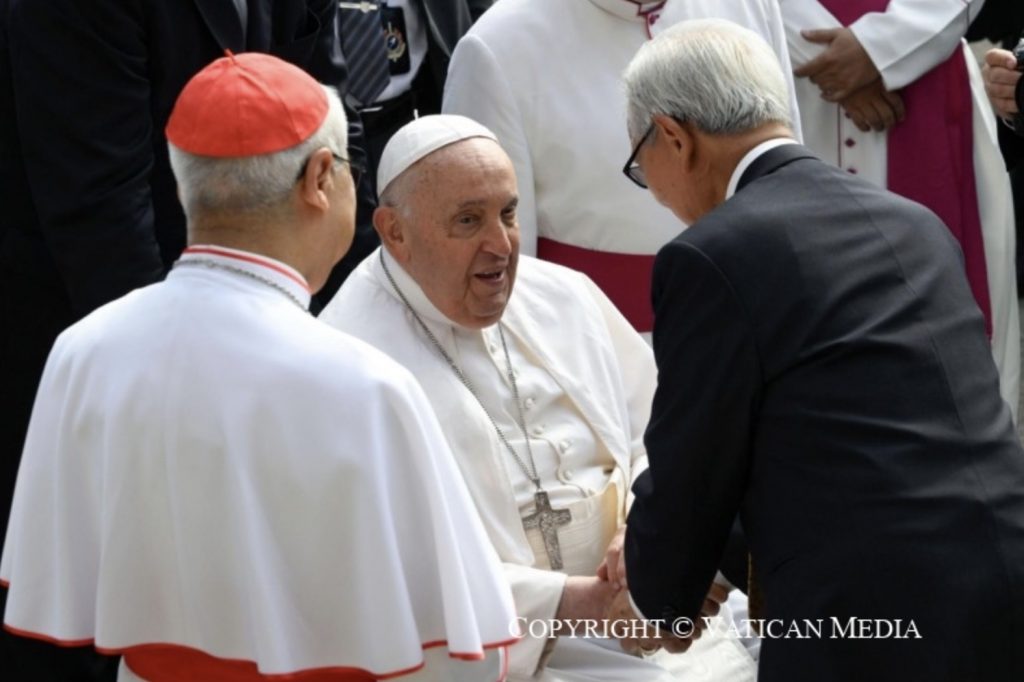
[[632, 169], [355, 168]]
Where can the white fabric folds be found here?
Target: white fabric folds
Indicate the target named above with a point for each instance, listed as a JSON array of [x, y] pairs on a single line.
[[209, 466]]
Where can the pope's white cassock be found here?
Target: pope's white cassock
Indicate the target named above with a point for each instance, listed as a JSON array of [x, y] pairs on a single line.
[[546, 77], [586, 380], [209, 468], [905, 42]]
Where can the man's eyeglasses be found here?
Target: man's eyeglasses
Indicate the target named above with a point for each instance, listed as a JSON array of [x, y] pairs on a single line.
[[355, 168], [632, 169]]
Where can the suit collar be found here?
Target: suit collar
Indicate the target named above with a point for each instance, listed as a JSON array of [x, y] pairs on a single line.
[[221, 17], [750, 157], [772, 160]]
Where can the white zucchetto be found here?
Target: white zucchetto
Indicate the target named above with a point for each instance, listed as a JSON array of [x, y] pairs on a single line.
[[421, 137]]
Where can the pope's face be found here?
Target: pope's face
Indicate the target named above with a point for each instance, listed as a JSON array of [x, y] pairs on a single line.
[[462, 237]]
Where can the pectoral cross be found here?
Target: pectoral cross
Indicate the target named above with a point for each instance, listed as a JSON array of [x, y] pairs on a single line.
[[548, 521]]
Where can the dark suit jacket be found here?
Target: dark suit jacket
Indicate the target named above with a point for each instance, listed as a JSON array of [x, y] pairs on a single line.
[[448, 21], [824, 370], [999, 20], [89, 87]]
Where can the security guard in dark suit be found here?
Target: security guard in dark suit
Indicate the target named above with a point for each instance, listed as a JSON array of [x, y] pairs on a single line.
[[418, 37]]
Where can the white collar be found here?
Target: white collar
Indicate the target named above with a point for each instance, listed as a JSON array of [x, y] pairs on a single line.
[[412, 290], [264, 267], [752, 156], [631, 10]]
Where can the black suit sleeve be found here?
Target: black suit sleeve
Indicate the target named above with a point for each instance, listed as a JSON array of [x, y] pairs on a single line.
[[698, 438], [82, 97], [325, 61]]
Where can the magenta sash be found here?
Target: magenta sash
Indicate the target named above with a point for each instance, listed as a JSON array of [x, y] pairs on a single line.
[[931, 153]]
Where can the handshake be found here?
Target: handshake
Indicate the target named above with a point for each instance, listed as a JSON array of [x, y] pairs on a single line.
[[604, 598]]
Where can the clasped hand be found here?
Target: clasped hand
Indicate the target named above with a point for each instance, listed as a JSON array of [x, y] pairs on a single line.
[[626, 621], [846, 76], [1001, 76]]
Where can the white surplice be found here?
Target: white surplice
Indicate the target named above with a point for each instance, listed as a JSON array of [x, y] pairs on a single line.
[[906, 41], [208, 466], [546, 77], [586, 380]]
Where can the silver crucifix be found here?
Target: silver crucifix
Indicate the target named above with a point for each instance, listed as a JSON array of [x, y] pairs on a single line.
[[548, 521]]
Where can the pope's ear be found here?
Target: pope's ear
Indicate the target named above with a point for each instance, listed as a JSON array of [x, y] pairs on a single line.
[[390, 229], [316, 179]]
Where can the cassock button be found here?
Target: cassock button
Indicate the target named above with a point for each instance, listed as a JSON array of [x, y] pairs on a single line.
[[567, 474], [851, 171], [538, 429], [850, 142], [668, 614], [493, 347], [563, 446], [528, 403]]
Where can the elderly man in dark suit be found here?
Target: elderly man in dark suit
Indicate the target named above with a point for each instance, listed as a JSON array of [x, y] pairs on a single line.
[[88, 208], [823, 371]]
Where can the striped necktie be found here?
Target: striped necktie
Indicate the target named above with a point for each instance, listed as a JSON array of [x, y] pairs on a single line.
[[362, 41]]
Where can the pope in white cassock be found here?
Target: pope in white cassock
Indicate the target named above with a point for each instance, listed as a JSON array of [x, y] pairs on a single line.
[[218, 486], [889, 91], [544, 395], [546, 77]]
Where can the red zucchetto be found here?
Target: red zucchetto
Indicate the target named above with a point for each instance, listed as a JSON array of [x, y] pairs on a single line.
[[246, 105]]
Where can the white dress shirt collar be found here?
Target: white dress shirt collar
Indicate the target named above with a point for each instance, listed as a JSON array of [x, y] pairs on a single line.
[[752, 156]]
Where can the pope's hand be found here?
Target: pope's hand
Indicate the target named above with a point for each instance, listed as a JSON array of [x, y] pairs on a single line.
[[1001, 76], [874, 108], [842, 69], [585, 598], [613, 568]]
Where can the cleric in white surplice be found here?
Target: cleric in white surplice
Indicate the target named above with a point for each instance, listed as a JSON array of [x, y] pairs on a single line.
[[218, 486], [546, 77]]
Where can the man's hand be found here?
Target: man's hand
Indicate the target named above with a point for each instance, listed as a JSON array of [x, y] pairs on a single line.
[[713, 602], [613, 568], [1001, 76], [585, 598], [874, 108], [625, 619], [842, 69]]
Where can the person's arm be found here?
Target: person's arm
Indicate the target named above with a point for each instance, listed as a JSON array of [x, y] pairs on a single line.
[[477, 88], [546, 601], [912, 37], [699, 437], [81, 87], [638, 376]]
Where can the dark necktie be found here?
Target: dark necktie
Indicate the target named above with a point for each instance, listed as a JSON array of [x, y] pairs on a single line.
[[362, 41]]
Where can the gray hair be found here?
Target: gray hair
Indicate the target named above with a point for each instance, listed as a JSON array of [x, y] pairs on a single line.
[[721, 77], [253, 183]]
